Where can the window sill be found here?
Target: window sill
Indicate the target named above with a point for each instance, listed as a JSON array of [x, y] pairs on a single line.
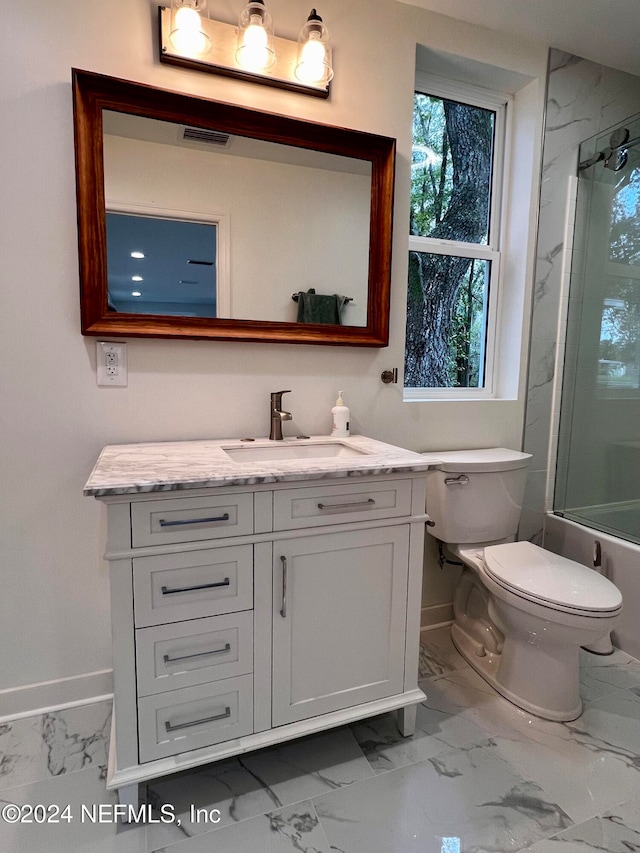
[[452, 395]]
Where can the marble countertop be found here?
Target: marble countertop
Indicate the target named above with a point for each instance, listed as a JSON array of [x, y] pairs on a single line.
[[124, 469]]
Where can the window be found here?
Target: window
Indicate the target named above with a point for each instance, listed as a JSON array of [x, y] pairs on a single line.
[[454, 257], [175, 274], [619, 354]]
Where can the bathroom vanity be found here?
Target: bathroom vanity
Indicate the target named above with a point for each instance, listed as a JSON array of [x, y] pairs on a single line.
[[259, 591]]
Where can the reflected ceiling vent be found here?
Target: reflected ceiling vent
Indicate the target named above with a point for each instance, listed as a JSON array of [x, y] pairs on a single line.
[[205, 137]]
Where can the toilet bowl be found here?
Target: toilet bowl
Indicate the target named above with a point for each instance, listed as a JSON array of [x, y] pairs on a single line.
[[521, 613], [521, 616]]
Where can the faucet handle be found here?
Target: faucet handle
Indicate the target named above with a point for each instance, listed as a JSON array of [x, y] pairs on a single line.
[[276, 396]]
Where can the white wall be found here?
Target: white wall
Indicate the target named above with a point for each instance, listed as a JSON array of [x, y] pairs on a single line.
[[319, 238], [54, 618]]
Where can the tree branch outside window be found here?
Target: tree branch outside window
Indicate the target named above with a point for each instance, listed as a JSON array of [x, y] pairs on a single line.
[[453, 146]]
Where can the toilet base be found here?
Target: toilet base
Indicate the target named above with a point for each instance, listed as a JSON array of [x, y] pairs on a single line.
[[603, 646], [487, 666]]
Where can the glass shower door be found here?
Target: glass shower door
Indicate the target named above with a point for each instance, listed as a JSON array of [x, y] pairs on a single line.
[[598, 473]]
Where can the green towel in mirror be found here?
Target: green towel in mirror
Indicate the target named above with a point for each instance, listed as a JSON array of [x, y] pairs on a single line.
[[317, 308]]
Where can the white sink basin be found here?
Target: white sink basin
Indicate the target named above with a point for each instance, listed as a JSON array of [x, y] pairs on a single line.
[[280, 452]]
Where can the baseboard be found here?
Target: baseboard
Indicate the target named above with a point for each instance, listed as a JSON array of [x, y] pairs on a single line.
[[436, 615], [424, 632], [32, 699]]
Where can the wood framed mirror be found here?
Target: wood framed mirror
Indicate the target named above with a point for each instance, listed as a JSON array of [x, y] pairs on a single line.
[[285, 223]]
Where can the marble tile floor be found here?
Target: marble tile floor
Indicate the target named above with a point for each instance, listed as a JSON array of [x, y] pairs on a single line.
[[478, 776]]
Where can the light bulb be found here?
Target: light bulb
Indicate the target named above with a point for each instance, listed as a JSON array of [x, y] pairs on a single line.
[[187, 36], [255, 50], [312, 67], [255, 53], [314, 54]]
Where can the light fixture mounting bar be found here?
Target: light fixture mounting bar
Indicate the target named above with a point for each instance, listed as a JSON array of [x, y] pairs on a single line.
[[221, 58]]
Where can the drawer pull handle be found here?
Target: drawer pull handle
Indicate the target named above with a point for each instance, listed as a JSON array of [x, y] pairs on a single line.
[[462, 480], [171, 728], [283, 609], [368, 502], [167, 591], [163, 523], [226, 648]]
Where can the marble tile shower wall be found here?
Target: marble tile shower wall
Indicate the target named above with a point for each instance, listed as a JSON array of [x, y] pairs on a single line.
[[583, 98]]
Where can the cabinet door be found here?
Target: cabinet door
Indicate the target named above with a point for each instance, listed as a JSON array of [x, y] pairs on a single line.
[[339, 611]]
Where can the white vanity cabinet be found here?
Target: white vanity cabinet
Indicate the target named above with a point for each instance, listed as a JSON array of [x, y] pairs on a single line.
[[246, 615]]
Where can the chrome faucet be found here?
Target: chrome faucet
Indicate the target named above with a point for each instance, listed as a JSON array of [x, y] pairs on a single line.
[[278, 415]]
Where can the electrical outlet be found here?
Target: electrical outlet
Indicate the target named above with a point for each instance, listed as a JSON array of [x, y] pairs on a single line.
[[111, 362]]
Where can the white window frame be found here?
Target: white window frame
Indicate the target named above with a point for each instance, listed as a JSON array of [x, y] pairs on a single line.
[[498, 103]]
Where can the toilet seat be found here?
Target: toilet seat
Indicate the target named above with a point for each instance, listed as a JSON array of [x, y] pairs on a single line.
[[530, 572]]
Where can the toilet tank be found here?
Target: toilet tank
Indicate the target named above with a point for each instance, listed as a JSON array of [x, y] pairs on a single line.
[[476, 496]]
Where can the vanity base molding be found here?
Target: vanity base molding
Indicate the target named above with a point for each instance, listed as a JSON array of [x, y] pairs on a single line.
[[132, 776]]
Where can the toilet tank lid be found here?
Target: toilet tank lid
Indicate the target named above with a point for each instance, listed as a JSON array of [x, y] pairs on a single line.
[[487, 459]]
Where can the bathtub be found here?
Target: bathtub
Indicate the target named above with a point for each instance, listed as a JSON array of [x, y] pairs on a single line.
[[620, 563]]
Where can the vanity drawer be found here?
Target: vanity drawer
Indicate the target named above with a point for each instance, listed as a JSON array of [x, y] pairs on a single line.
[[175, 722], [178, 587], [170, 520], [184, 654], [347, 502]]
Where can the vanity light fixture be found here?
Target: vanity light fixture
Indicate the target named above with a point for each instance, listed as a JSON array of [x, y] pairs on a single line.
[[249, 51], [137, 255], [136, 293]]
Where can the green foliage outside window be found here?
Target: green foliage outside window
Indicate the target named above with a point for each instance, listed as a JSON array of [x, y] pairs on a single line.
[[619, 356], [450, 200]]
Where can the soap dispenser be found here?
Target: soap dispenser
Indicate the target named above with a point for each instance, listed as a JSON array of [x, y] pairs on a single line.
[[340, 413]]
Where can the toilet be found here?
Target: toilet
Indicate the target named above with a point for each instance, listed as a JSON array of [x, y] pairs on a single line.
[[521, 613]]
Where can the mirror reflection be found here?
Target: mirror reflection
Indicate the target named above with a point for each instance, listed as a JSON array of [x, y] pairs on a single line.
[[158, 265], [233, 227]]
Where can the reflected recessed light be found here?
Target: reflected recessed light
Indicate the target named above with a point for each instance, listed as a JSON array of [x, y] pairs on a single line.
[[136, 278], [137, 254], [136, 293]]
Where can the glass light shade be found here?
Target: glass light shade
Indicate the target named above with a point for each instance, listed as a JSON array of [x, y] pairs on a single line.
[[314, 52], [187, 36], [255, 50]]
